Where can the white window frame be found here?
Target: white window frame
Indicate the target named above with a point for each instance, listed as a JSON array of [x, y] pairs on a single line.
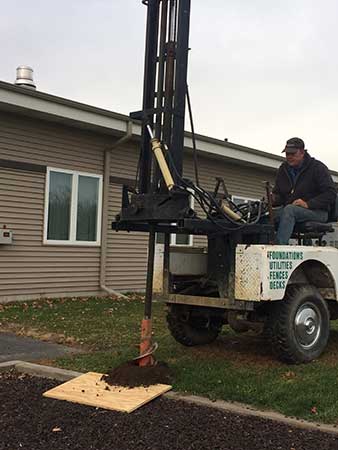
[[173, 241], [73, 207]]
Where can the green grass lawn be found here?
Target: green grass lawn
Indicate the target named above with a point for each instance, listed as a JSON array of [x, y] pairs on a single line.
[[234, 368]]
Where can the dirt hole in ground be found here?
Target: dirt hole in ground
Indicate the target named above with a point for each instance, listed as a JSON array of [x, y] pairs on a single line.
[[130, 374]]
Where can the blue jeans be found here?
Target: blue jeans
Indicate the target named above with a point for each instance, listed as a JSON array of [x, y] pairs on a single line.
[[287, 216]]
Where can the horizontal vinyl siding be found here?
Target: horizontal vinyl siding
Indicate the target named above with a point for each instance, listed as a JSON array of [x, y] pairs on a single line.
[[126, 252], [239, 180], [39, 142], [124, 161], [29, 269]]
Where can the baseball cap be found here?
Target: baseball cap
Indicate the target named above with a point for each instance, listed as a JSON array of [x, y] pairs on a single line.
[[294, 144]]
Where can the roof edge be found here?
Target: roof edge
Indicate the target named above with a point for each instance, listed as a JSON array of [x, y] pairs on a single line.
[[31, 101]]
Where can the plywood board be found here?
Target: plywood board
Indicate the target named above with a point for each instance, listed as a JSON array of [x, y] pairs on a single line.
[[88, 389]]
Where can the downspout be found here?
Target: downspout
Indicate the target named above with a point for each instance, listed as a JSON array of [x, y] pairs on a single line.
[[105, 202]]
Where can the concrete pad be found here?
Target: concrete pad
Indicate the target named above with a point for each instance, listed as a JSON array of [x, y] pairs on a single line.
[[14, 347]]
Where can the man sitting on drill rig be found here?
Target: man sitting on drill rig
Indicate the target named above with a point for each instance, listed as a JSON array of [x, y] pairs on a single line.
[[304, 190]]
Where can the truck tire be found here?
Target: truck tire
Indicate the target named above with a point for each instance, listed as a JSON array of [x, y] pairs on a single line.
[[300, 325], [189, 330]]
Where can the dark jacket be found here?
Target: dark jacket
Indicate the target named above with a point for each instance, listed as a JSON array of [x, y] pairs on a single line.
[[313, 184]]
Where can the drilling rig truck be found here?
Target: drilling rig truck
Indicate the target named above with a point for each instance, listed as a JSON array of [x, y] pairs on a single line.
[[289, 291]]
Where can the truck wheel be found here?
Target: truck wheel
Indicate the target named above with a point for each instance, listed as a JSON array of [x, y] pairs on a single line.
[[191, 330], [300, 325]]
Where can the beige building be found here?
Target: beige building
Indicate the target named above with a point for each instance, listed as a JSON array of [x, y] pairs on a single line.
[[62, 166]]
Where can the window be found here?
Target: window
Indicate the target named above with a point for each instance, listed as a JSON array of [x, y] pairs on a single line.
[[73, 207], [178, 239]]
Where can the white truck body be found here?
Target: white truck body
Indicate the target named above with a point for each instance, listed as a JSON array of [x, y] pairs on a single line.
[[263, 271]]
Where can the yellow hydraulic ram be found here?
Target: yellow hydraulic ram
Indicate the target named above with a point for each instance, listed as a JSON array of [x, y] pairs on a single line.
[[157, 149]]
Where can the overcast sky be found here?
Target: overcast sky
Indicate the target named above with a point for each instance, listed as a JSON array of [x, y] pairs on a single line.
[[260, 71]]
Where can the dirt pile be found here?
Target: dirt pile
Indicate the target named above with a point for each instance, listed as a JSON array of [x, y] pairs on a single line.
[[130, 374]]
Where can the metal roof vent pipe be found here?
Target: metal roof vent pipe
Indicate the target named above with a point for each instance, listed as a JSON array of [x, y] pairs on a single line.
[[24, 77]]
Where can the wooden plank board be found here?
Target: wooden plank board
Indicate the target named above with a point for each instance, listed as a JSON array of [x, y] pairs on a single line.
[[88, 389]]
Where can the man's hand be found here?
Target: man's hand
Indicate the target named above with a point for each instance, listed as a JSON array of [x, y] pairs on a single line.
[[300, 202]]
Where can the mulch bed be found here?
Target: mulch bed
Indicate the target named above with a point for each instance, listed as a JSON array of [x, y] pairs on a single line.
[[32, 422]]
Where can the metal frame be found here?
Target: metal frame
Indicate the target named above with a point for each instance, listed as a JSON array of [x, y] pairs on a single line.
[[152, 207]]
